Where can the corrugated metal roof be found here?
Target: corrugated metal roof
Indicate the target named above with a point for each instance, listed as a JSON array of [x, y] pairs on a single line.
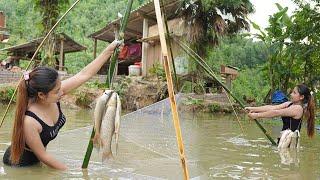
[[135, 22]]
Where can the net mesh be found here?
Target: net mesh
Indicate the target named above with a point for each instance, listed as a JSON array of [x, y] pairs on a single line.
[[147, 145]]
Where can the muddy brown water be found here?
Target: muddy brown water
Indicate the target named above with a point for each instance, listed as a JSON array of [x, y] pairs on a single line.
[[214, 145]]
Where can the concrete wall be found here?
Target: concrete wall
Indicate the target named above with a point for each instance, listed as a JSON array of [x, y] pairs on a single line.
[[9, 77]]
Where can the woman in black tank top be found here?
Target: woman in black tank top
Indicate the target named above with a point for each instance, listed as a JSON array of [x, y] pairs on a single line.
[[38, 116], [47, 134], [301, 104], [291, 123]]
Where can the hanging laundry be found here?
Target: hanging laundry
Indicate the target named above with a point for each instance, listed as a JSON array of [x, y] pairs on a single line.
[[123, 53], [130, 52], [134, 51]]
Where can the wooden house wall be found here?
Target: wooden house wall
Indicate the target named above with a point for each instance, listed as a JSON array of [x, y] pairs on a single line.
[[154, 54], [2, 20]]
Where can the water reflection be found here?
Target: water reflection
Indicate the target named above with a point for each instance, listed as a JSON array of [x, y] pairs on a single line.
[[215, 148]]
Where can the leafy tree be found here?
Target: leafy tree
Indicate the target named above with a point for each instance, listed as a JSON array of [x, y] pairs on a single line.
[[21, 20], [50, 11], [305, 37], [238, 51], [294, 46], [208, 20], [251, 84]]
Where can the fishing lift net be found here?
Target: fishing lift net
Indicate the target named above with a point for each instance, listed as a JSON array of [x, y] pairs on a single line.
[[147, 146]]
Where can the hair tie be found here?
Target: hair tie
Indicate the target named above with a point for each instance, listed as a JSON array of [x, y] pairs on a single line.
[[26, 75]]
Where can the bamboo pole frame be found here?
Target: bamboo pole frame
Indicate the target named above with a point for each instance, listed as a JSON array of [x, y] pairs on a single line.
[[203, 64], [173, 105], [168, 41]]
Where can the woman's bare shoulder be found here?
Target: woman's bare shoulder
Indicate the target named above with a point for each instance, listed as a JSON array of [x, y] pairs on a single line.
[[286, 104], [297, 109], [30, 123]]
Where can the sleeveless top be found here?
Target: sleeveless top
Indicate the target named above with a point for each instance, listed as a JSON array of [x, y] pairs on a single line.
[[291, 123], [47, 134]]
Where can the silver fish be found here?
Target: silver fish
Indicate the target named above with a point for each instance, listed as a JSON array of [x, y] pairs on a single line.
[[117, 122], [99, 113], [108, 127], [285, 139], [294, 144], [289, 139]]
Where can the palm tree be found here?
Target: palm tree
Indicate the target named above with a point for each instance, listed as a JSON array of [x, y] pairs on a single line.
[[206, 20]]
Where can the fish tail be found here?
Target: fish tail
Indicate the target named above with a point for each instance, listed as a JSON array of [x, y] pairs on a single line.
[[95, 139], [117, 139], [106, 156]]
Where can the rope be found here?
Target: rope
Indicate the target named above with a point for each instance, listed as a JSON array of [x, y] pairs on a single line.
[[236, 114]]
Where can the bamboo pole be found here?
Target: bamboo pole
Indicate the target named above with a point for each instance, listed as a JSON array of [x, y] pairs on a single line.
[[34, 55], [109, 79], [114, 56], [171, 89], [206, 67], [94, 48], [61, 60], [168, 39]]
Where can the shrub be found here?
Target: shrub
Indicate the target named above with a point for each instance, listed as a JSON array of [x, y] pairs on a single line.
[[214, 107], [6, 94]]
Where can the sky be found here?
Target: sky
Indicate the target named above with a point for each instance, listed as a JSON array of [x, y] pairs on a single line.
[[264, 8]]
